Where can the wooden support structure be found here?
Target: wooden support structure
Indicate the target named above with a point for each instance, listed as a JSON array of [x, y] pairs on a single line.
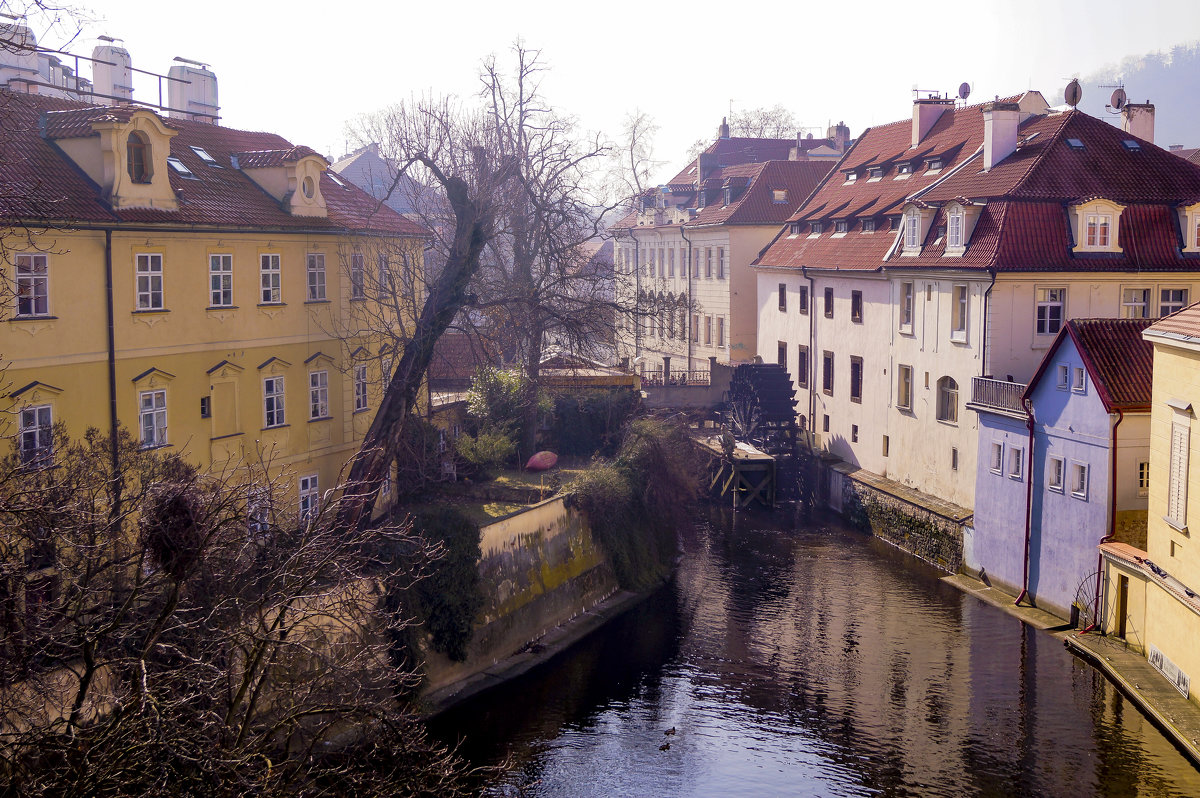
[[743, 477]]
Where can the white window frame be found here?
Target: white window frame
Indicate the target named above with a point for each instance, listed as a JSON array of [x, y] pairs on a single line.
[[960, 297], [1079, 479], [358, 289], [904, 387], [996, 460], [947, 400], [1016, 463], [220, 280], [152, 418], [360, 388], [907, 294], [35, 435], [912, 231], [1056, 472], [954, 228], [33, 285], [309, 492], [1133, 308], [1143, 487], [1098, 230], [270, 279], [1171, 300], [149, 271], [1047, 298], [314, 269], [318, 395], [1063, 376], [1079, 380], [274, 398]]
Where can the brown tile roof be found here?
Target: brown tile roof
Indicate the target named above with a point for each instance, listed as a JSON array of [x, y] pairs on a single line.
[[260, 159], [1025, 224], [456, 358], [732, 151], [1118, 359], [40, 183]]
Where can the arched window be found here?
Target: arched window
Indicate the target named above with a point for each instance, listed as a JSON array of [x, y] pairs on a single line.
[[138, 148], [947, 400]]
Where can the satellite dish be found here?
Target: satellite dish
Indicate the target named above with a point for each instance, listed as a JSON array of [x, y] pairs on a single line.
[[964, 91], [1073, 93], [1118, 99], [809, 136]]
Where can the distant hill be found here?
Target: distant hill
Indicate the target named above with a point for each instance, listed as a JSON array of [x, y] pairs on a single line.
[[1170, 80]]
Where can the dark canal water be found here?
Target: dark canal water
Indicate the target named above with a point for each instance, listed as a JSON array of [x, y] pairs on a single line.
[[815, 662]]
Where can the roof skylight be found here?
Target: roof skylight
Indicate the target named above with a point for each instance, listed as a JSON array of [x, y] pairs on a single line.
[[204, 156], [1075, 144], [178, 166], [336, 179], [1131, 145]]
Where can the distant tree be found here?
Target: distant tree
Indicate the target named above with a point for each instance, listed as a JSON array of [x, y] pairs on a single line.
[[770, 123], [632, 155]]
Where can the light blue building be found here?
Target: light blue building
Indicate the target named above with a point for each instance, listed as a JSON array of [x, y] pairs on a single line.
[[1063, 463]]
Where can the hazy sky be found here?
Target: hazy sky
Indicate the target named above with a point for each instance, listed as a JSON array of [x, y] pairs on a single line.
[[303, 69]]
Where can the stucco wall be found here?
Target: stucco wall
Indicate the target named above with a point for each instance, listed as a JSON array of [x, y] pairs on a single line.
[[997, 542], [540, 567]]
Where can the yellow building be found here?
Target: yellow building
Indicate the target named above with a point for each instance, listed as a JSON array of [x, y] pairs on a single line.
[[212, 290], [1151, 599]]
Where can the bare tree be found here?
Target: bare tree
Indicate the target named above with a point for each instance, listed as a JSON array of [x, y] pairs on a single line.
[[764, 123], [226, 650], [534, 280], [632, 156]]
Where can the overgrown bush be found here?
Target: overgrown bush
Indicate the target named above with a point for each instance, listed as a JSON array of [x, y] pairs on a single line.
[[485, 450], [637, 503], [592, 422], [450, 597]]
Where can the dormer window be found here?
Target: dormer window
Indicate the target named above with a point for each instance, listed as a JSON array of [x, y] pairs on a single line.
[[815, 229], [1096, 225], [851, 176], [868, 225], [138, 151], [875, 172], [779, 196], [728, 195], [700, 201], [934, 164], [954, 228], [1097, 230], [795, 228], [912, 230], [904, 168], [840, 226]]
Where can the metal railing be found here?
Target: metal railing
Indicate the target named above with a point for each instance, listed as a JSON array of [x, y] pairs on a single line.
[[1000, 394], [654, 379]]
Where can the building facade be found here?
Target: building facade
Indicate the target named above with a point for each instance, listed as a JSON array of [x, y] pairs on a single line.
[[682, 258], [1065, 467], [955, 246], [1148, 596], [205, 288]]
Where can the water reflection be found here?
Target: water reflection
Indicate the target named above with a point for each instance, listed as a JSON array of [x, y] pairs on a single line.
[[815, 662]]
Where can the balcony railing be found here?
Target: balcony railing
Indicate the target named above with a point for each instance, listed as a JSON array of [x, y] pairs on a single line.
[[653, 379], [997, 394]]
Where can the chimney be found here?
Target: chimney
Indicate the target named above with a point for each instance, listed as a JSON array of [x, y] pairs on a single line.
[[1000, 122], [112, 74], [1137, 119], [723, 130], [192, 92], [926, 112], [841, 136]]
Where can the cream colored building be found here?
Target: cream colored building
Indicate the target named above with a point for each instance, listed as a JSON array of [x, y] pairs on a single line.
[[1151, 599]]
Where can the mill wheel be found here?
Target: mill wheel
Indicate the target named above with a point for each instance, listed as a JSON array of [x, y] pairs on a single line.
[[761, 410]]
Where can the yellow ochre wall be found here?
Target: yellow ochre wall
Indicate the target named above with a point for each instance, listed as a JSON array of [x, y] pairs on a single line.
[[184, 346]]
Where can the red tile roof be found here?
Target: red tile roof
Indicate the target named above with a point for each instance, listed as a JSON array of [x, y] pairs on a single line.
[[1024, 225], [40, 183], [1118, 359], [456, 358], [1183, 324]]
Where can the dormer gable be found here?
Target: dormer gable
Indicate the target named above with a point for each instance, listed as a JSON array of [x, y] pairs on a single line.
[[123, 150], [914, 227], [1094, 225], [960, 217], [292, 177], [1189, 223]]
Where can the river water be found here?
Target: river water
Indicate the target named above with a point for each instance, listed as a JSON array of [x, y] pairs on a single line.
[[816, 661]]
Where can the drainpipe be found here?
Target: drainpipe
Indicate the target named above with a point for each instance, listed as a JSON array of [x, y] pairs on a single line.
[[1112, 521], [687, 327], [812, 326], [112, 351], [1028, 503], [987, 296], [637, 299]]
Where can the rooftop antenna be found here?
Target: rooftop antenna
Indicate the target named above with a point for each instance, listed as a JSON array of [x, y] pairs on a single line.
[[1118, 99], [1073, 93], [964, 91]]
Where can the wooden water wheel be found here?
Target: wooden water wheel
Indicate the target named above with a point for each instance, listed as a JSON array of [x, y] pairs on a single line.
[[760, 409]]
